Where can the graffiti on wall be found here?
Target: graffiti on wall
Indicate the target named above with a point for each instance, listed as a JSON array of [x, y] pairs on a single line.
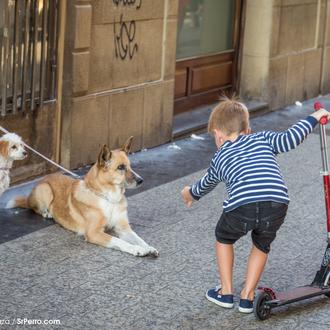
[[125, 32], [127, 3]]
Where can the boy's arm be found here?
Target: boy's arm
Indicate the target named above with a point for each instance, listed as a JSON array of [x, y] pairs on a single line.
[[290, 139], [207, 183]]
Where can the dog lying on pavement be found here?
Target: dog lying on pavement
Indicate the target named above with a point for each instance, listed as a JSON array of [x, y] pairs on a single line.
[[11, 149], [89, 206]]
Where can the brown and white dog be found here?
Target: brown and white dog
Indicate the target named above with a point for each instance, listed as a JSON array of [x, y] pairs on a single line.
[[90, 206], [11, 149]]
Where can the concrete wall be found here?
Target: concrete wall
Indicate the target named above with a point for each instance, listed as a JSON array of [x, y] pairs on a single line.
[[118, 76], [286, 50], [325, 79], [255, 49]]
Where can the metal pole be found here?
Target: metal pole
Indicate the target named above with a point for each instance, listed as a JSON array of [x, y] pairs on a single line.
[[5, 58], [324, 150], [34, 54], [53, 48], [26, 53], [16, 54], [326, 179], [43, 51], [325, 164]]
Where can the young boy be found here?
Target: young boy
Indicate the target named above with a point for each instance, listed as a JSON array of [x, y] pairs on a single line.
[[257, 196]]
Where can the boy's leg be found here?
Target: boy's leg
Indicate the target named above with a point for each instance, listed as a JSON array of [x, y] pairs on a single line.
[[225, 260], [256, 264], [271, 219]]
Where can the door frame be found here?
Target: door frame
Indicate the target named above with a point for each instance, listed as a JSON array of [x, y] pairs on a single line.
[[189, 94]]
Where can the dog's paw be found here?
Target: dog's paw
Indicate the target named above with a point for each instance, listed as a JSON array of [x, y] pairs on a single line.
[[46, 214], [140, 251], [153, 252]]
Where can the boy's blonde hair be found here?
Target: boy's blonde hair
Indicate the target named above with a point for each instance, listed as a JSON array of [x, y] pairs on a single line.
[[229, 116]]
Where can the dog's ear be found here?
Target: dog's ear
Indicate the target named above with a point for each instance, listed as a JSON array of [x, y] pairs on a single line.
[[4, 148], [127, 146], [104, 156]]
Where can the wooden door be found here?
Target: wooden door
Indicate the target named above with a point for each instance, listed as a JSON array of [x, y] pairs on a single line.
[[208, 33]]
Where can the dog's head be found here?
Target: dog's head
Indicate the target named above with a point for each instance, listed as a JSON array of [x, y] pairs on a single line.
[[115, 167], [12, 147]]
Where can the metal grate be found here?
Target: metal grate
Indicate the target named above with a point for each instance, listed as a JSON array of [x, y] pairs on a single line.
[[28, 45]]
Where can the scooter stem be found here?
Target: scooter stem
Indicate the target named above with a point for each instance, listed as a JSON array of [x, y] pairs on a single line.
[[325, 165]]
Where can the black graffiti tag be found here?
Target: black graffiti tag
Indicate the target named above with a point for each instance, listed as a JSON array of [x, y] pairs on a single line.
[[125, 45], [128, 3], [124, 39]]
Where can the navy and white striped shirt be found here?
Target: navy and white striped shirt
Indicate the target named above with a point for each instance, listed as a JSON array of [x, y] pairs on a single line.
[[249, 168]]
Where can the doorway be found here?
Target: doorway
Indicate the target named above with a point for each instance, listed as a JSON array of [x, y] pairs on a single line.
[[207, 51]]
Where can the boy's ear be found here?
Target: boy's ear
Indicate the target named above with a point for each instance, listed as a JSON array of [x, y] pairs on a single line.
[[104, 156], [247, 131], [218, 137], [127, 146], [217, 133]]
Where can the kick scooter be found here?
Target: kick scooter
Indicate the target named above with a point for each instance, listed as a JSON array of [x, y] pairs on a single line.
[[267, 299]]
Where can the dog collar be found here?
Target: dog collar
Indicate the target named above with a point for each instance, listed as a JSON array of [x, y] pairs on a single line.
[[103, 196]]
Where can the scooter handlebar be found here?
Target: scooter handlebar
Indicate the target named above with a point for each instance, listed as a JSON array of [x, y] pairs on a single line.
[[318, 106]]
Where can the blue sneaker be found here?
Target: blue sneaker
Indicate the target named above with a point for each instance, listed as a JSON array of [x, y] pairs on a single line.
[[223, 300], [245, 306]]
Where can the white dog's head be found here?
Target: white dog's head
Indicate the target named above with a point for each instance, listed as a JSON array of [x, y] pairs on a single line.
[[12, 147]]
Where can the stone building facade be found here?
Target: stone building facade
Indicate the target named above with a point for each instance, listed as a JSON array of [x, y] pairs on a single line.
[[118, 76], [117, 70], [285, 55]]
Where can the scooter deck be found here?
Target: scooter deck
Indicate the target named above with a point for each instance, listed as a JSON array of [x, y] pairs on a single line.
[[297, 294]]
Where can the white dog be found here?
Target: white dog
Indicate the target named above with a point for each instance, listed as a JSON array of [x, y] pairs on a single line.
[[11, 149]]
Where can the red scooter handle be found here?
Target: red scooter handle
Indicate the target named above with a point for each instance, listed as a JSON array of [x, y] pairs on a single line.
[[318, 106]]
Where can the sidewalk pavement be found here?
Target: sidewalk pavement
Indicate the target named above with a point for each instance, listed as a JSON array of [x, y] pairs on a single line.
[[53, 274]]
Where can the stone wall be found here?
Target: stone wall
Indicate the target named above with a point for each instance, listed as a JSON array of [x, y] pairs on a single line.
[[286, 50], [255, 45], [325, 79], [118, 76]]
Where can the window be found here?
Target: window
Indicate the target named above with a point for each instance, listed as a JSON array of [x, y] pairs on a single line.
[[28, 43], [205, 27]]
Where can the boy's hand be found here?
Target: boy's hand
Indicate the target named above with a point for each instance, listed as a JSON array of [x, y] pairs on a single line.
[[187, 198], [321, 113]]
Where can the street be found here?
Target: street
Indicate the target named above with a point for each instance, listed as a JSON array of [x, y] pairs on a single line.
[[51, 273]]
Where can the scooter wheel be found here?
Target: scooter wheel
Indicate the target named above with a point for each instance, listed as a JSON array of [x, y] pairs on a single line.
[[328, 294], [260, 307]]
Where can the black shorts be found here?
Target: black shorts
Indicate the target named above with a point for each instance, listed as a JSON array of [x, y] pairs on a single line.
[[263, 218]]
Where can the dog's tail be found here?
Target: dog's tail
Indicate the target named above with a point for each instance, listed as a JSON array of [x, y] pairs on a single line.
[[21, 202]]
